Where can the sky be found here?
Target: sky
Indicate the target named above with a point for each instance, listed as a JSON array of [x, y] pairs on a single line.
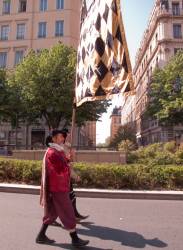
[[135, 17]]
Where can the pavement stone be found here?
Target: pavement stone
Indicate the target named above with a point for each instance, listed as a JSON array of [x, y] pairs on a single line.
[[99, 193]]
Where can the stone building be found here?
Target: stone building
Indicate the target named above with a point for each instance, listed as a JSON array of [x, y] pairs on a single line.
[[37, 24], [115, 121], [162, 38]]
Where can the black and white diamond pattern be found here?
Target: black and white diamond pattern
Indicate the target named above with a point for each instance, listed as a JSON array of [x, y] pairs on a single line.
[[103, 66]]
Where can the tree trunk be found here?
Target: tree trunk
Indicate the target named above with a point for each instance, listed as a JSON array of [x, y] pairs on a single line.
[[16, 132], [27, 136]]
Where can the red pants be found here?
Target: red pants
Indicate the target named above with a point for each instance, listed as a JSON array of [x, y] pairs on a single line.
[[60, 206]]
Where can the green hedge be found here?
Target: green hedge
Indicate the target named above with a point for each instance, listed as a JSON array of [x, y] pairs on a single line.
[[20, 171], [104, 176], [157, 154]]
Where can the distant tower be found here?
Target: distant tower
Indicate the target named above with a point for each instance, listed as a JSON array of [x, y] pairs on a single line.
[[115, 121]]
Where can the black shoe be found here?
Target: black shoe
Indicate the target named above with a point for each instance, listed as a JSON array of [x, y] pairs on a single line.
[[81, 217], [80, 243], [44, 240]]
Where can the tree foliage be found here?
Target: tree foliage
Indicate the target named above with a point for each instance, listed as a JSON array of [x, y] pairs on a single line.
[[12, 107], [3, 93], [166, 93], [126, 146], [46, 83], [104, 144], [124, 133]]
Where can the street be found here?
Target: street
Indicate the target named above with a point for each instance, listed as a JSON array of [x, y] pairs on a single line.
[[112, 225]]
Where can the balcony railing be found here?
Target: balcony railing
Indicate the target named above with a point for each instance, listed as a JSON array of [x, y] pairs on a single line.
[[174, 12]]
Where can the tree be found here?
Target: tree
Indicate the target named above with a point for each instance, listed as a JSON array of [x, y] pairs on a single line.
[[105, 144], [91, 111], [9, 99], [46, 81], [3, 93], [124, 133], [12, 107], [126, 146], [166, 93]]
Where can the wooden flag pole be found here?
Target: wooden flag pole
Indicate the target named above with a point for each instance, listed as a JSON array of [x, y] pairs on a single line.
[[73, 123], [74, 101]]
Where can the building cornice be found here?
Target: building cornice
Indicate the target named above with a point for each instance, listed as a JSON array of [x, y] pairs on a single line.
[[151, 30], [160, 42], [38, 12]]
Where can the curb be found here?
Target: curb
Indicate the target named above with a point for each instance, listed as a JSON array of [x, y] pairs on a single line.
[[99, 193]]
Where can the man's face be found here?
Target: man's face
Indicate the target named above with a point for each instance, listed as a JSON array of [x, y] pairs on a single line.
[[58, 139]]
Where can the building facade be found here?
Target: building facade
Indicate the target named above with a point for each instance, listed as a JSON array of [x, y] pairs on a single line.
[[161, 40], [91, 133], [36, 24], [115, 121]]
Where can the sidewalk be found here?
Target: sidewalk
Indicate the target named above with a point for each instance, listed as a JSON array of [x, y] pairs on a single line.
[[99, 193]]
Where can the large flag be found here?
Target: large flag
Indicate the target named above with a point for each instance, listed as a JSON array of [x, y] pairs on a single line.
[[103, 63]]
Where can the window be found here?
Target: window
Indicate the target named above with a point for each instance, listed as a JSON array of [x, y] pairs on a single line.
[[21, 31], [157, 62], [20, 135], [156, 37], [42, 30], [3, 59], [150, 49], [177, 31], [43, 5], [22, 5], [4, 32], [19, 54], [176, 9], [2, 135], [59, 4], [59, 28], [6, 7], [164, 4], [151, 71]]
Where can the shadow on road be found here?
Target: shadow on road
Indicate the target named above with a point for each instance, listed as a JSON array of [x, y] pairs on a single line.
[[69, 247], [131, 239]]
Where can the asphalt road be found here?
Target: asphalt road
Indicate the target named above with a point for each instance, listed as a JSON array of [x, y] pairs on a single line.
[[112, 225]]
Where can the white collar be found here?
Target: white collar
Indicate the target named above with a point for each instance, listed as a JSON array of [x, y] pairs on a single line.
[[57, 146]]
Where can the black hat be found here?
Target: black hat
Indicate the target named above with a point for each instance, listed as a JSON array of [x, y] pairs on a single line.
[[55, 132], [64, 132]]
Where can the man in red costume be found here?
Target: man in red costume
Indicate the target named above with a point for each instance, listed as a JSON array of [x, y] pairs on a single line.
[[55, 187]]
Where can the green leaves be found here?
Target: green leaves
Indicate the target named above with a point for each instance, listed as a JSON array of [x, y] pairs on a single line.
[[46, 83], [166, 93], [124, 133], [105, 175]]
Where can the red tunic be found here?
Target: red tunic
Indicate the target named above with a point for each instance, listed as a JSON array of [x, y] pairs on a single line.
[[58, 171]]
